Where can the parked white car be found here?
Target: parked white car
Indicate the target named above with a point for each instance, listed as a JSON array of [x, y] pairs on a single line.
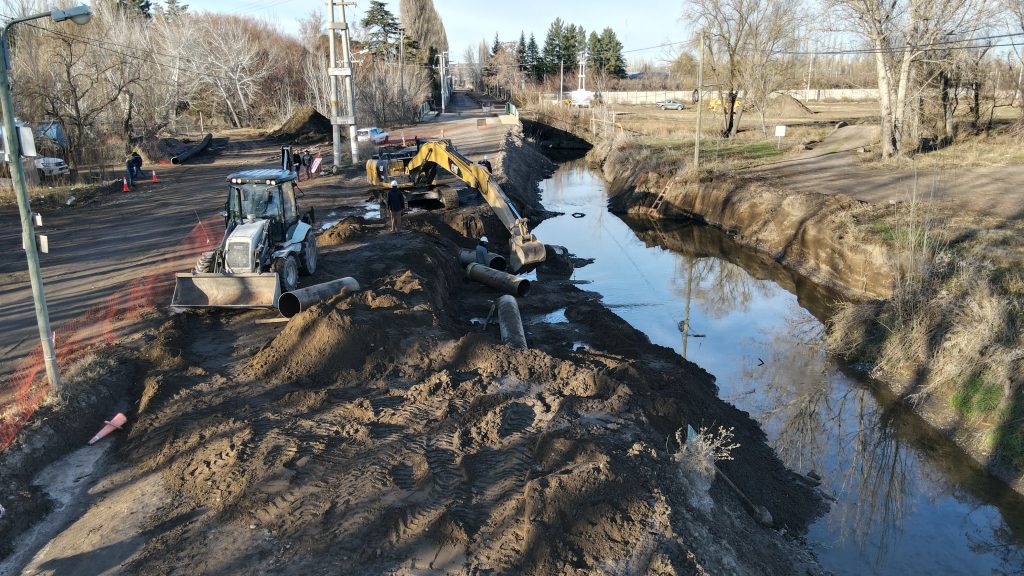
[[374, 134], [48, 167]]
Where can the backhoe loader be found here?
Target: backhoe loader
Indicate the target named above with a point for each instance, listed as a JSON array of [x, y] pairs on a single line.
[[417, 168], [267, 243]]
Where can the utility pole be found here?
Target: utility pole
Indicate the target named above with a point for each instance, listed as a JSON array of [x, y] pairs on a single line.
[[582, 84], [79, 15], [401, 68], [345, 72], [561, 80], [700, 104], [442, 72]]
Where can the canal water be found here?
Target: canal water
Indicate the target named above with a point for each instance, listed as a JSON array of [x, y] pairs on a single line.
[[906, 500]]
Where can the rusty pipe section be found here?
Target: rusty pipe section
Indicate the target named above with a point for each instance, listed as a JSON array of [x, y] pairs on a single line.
[[497, 279], [496, 261], [291, 303], [510, 323]]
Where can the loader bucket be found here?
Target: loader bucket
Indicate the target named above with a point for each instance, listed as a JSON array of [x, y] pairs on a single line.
[[525, 251], [226, 291]]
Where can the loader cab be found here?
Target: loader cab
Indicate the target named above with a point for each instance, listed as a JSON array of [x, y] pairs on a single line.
[[263, 195]]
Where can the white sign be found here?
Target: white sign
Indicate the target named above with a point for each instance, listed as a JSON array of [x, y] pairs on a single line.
[[780, 131]]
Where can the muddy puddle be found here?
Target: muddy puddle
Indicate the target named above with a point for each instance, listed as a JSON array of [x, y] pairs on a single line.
[[906, 500]]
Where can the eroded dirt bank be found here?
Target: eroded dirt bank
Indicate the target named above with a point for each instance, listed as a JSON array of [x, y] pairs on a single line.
[[387, 431], [814, 234]]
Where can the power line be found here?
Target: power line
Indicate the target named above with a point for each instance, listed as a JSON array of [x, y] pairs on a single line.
[[894, 49]]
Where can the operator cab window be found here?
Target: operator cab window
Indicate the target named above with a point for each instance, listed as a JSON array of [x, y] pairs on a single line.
[[289, 204]]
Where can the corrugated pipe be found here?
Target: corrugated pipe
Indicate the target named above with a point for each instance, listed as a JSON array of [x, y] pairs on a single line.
[[180, 158], [510, 322], [496, 261], [497, 279], [291, 303]]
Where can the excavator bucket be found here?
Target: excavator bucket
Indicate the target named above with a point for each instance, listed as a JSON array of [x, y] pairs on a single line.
[[226, 291], [525, 251]]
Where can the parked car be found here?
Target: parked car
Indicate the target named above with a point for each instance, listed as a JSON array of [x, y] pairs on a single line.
[[49, 167], [670, 105], [374, 134]]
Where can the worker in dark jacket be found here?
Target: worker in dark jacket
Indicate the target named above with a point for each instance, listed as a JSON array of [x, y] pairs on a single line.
[[486, 164], [396, 205], [297, 166], [136, 165]]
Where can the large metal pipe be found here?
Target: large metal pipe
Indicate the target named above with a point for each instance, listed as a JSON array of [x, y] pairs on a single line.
[[497, 279], [496, 261], [510, 322], [193, 150], [291, 303]]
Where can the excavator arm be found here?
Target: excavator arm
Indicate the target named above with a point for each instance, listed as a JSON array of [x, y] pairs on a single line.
[[524, 247]]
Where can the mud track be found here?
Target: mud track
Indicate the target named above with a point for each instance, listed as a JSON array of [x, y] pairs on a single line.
[[384, 432]]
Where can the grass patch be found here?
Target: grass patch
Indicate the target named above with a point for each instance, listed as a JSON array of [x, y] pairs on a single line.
[[976, 398]]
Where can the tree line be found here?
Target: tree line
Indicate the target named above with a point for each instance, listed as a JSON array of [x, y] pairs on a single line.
[[140, 70]]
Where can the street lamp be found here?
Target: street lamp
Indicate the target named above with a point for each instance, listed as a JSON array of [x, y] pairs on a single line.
[[78, 15]]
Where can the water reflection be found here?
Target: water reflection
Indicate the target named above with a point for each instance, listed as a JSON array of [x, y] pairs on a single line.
[[907, 500]]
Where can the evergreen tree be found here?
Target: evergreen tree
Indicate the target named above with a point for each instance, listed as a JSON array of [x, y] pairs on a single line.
[[175, 9], [496, 47], [533, 58], [614, 62], [142, 7], [381, 26], [574, 39], [521, 53], [595, 52], [553, 49]]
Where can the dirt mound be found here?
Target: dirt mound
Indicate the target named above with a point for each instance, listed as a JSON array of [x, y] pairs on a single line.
[[785, 106], [343, 231], [305, 126], [380, 431]]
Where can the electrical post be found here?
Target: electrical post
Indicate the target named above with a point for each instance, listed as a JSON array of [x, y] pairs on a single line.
[[401, 68], [561, 81], [79, 15], [700, 103], [345, 72]]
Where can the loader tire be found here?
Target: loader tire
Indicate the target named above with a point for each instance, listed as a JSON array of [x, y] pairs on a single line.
[[307, 260], [205, 263], [287, 268]]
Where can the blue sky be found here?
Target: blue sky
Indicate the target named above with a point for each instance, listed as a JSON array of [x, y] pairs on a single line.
[[638, 23]]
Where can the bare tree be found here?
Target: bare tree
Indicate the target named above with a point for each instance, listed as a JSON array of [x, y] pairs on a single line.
[[772, 30], [901, 33], [725, 25]]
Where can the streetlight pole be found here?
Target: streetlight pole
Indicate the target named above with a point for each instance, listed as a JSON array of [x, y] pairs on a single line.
[[78, 15]]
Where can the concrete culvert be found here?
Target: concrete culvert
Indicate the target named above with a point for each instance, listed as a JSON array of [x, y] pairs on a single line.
[[291, 303], [498, 280], [495, 261], [510, 322]]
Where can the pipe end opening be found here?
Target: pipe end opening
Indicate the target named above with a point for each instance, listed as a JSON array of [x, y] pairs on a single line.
[[289, 305], [522, 287]]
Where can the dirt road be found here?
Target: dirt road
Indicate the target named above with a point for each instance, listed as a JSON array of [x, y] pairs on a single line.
[[832, 167]]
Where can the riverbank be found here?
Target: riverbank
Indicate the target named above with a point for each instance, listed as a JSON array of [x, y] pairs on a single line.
[[389, 430], [933, 293]]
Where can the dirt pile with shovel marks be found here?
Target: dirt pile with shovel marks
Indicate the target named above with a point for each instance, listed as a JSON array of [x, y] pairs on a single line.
[[387, 432]]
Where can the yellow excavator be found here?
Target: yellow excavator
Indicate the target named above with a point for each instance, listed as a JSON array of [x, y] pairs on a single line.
[[418, 165]]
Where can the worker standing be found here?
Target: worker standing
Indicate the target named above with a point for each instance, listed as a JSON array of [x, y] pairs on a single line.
[[481, 251], [396, 204], [307, 161], [129, 170], [486, 164]]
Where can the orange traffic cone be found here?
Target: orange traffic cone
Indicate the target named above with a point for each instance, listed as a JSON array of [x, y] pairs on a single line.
[[154, 179], [124, 184], [113, 424]]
